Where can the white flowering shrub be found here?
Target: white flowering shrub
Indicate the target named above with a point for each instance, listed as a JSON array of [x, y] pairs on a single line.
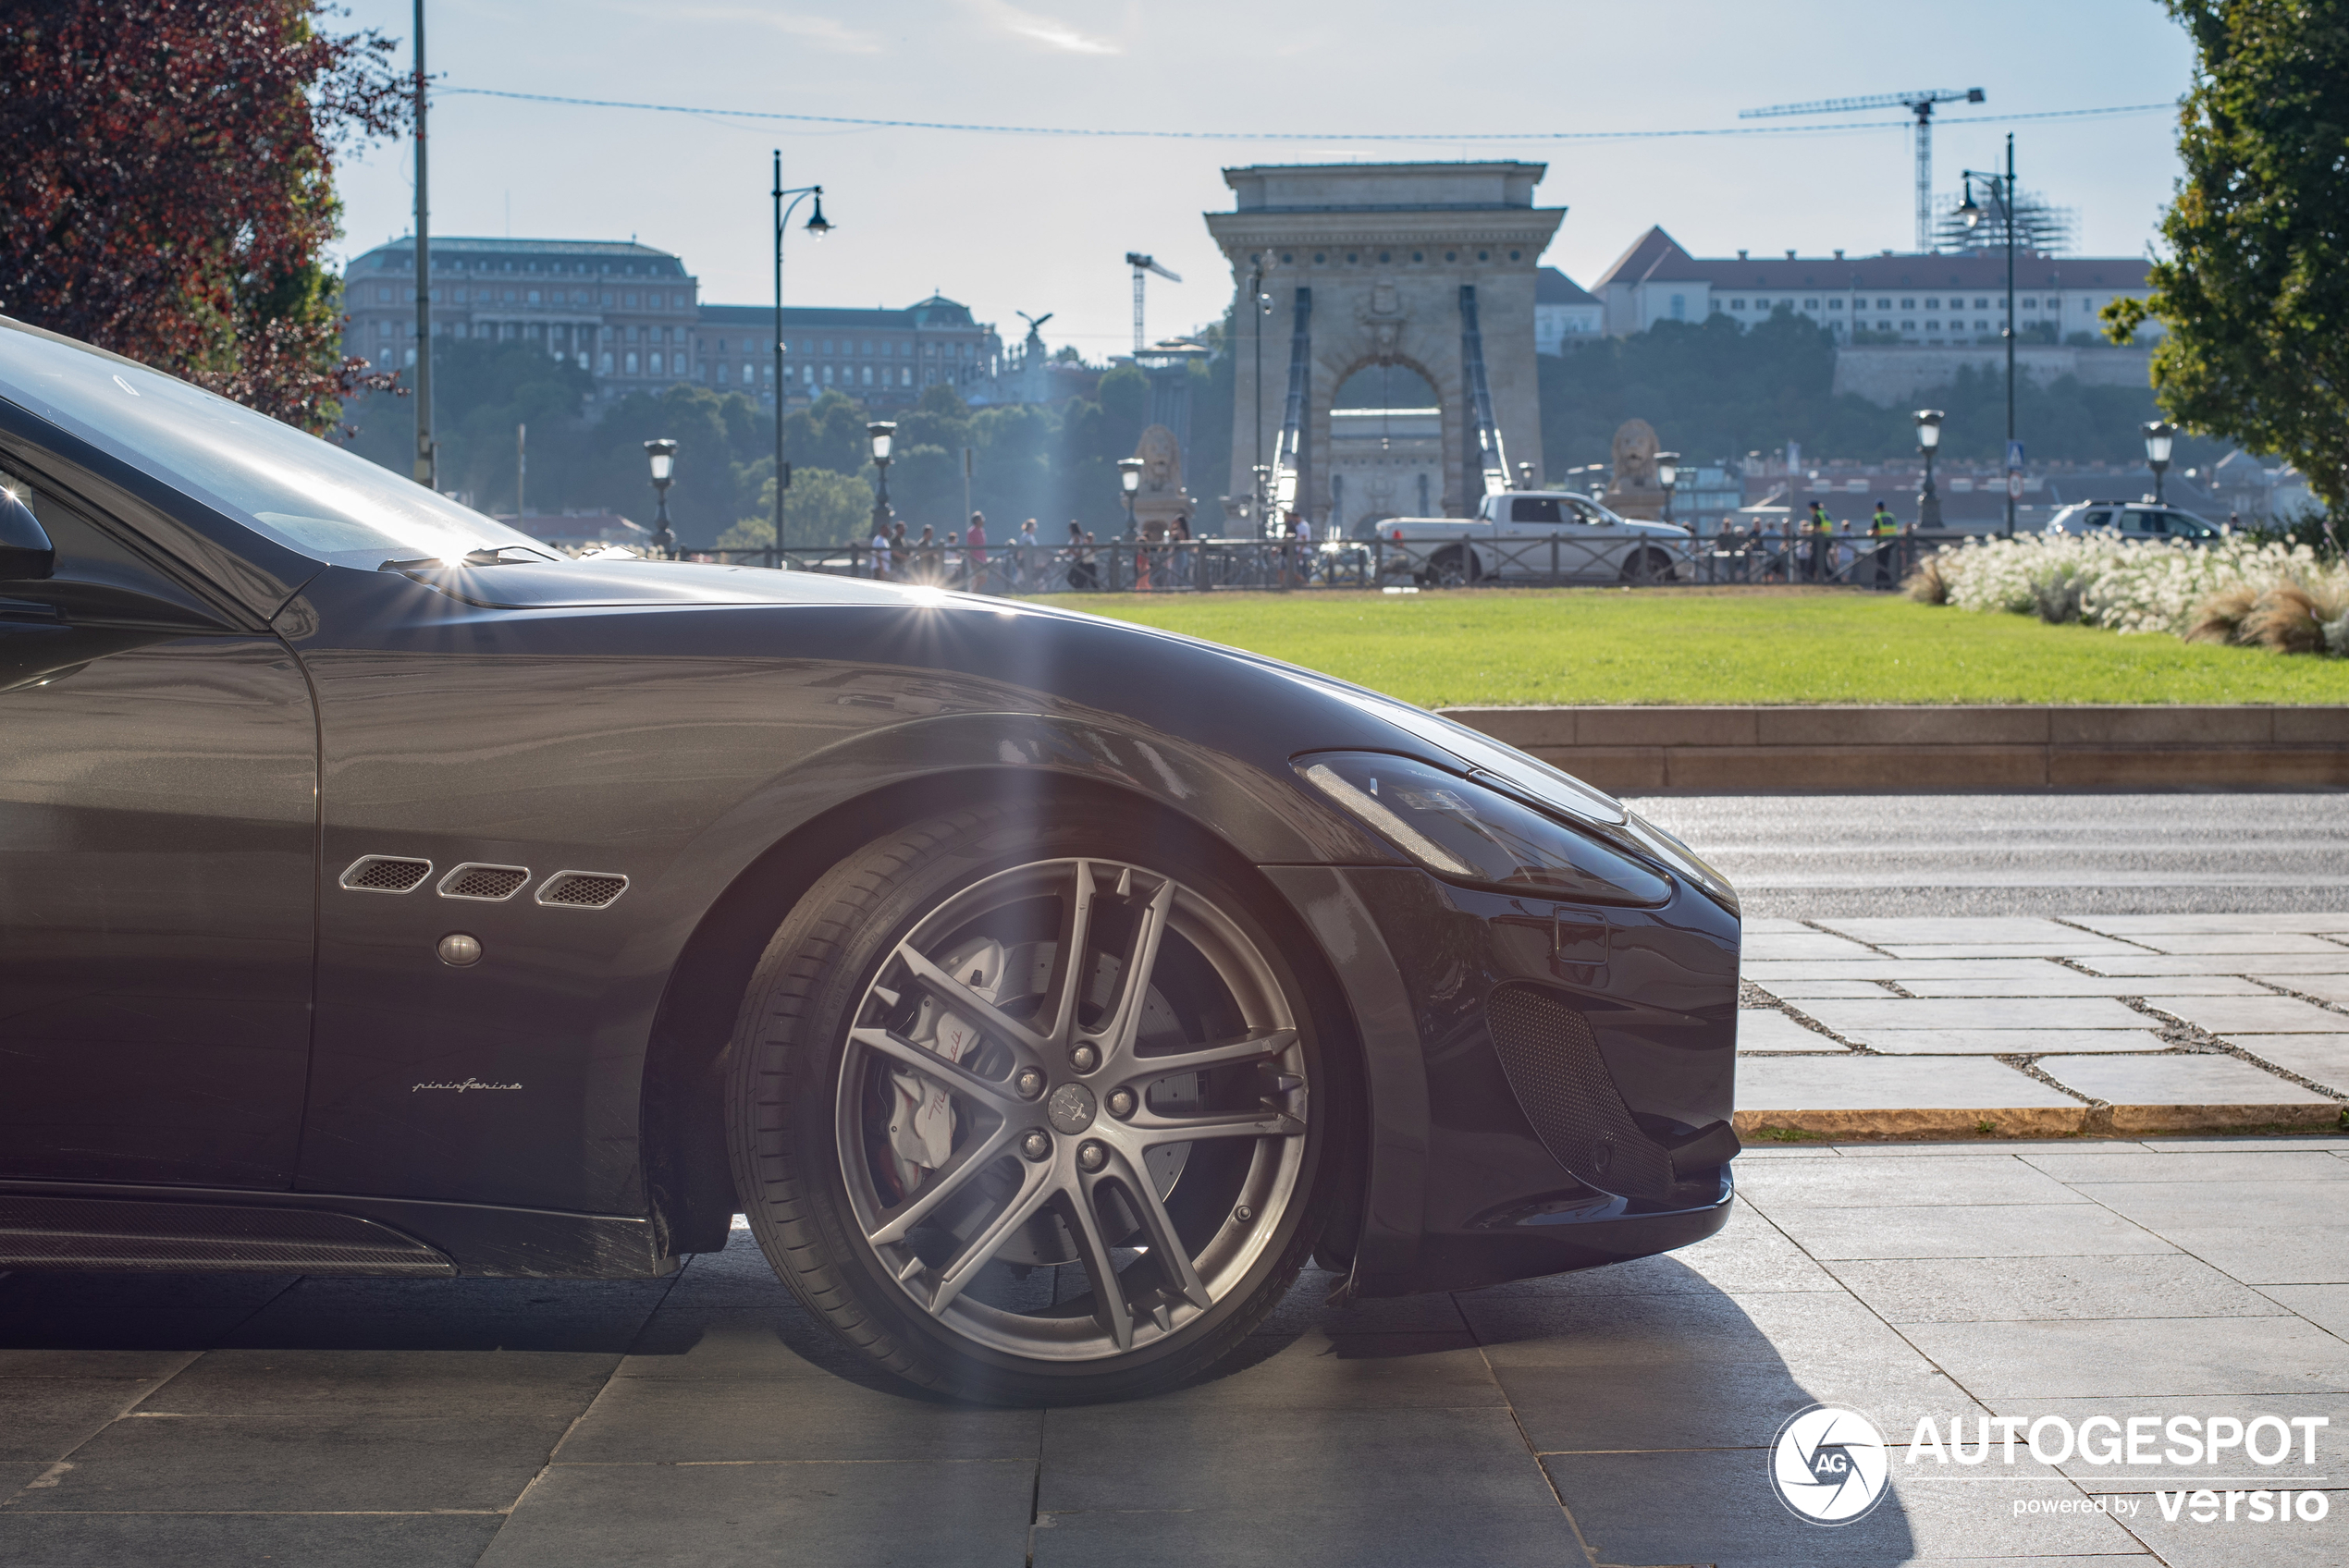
[[2126, 585]]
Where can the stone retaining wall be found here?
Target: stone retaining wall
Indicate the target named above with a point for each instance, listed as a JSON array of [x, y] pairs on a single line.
[[1930, 748]]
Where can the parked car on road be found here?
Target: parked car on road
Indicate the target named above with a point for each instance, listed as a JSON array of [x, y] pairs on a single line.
[[2133, 520], [1544, 536], [384, 893]]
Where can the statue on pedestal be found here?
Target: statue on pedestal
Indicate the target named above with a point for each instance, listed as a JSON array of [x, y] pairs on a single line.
[[1162, 499], [1634, 492]]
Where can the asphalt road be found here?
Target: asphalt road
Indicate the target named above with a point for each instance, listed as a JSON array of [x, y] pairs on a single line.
[[1809, 856]]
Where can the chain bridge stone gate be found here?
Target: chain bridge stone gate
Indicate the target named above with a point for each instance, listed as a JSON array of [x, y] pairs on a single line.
[[1428, 266]]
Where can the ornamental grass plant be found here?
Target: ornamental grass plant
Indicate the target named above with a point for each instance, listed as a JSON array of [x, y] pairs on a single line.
[[2235, 591]]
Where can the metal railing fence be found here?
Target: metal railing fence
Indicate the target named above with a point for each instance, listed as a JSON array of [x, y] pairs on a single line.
[[1125, 566]]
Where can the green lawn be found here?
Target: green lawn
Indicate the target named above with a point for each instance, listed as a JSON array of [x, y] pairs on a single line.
[[1496, 646]]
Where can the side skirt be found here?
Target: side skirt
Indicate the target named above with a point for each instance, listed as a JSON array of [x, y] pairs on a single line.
[[198, 1230]]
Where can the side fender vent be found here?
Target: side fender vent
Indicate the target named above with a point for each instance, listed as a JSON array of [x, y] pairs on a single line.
[[582, 890], [1555, 1070], [386, 873], [486, 884]]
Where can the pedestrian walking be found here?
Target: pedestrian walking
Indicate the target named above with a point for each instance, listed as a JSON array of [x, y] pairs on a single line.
[[975, 552], [1885, 529], [926, 556], [1822, 531], [1080, 564], [881, 552], [1024, 568], [1181, 535]]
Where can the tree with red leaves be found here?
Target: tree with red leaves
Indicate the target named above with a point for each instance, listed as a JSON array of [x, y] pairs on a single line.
[[167, 186]]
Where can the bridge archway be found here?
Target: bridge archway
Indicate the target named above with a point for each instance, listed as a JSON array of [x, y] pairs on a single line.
[[1429, 266], [1385, 444]]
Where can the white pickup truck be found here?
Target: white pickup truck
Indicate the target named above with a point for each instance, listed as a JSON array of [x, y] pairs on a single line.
[[1541, 535]]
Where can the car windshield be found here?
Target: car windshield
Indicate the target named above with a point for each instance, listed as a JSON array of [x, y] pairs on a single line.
[[307, 494]]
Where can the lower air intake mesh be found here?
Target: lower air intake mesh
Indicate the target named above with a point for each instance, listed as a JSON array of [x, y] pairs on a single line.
[[1561, 1080], [583, 889], [386, 873]]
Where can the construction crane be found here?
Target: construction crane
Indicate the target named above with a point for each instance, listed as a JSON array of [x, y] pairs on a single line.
[[1919, 102], [1141, 265]]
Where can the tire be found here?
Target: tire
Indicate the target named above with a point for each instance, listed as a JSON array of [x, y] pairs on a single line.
[[886, 1150], [1647, 566], [1454, 567]]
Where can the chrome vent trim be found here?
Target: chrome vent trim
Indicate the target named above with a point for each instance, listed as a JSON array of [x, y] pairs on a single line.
[[386, 873], [582, 890], [483, 883]]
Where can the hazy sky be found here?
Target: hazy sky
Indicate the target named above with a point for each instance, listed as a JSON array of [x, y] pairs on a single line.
[[1035, 222]]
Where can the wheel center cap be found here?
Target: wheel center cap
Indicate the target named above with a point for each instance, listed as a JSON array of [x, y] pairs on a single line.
[[1070, 1108]]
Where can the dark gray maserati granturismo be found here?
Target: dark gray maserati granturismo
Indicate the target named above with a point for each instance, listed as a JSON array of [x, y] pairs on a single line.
[[382, 894]]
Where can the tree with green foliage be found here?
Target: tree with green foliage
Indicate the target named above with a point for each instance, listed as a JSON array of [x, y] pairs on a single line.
[[820, 508], [2255, 291]]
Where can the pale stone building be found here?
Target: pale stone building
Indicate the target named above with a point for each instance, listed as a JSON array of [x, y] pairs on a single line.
[[1428, 268]]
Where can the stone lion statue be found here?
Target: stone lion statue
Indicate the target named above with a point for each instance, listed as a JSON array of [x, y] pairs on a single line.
[[1635, 449], [1162, 461]]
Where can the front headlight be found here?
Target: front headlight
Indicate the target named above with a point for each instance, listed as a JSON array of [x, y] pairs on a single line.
[[1466, 830]]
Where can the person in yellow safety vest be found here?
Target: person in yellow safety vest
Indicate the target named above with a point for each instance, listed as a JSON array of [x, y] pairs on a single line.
[[1822, 530], [1885, 529]]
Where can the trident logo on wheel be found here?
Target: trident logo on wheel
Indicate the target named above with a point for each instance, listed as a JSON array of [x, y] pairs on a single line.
[[1829, 1465]]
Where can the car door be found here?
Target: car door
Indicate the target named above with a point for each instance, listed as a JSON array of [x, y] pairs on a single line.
[[1595, 543], [1527, 537], [158, 826]]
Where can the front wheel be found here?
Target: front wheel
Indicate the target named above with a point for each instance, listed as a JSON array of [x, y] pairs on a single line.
[[1031, 1112]]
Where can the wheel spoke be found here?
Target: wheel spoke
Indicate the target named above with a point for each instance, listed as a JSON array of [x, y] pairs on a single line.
[[962, 999], [1153, 1129], [1258, 1044], [1174, 1260], [1076, 938], [1116, 1034], [1035, 1187], [1111, 1307], [974, 1156], [997, 1097]]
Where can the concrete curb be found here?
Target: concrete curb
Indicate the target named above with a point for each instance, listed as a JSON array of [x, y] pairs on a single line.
[[1930, 747], [2037, 1121]]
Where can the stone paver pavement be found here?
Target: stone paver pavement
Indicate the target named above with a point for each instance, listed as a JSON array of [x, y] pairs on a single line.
[[1618, 1416], [2100, 1023]]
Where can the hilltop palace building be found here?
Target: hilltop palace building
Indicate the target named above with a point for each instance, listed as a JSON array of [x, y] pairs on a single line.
[[633, 317]]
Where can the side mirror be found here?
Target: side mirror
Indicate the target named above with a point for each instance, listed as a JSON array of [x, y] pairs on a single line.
[[26, 555]]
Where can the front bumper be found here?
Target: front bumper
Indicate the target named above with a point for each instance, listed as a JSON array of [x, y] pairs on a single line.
[[1461, 1189]]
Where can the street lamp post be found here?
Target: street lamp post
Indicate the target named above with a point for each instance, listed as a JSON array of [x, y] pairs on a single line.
[[817, 227], [1130, 481], [1261, 501], [2002, 189], [882, 433], [1259, 306], [2159, 435], [1667, 474], [1928, 441], [663, 455]]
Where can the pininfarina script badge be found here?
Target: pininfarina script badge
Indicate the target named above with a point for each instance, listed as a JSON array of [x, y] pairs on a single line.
[[462, 1085]]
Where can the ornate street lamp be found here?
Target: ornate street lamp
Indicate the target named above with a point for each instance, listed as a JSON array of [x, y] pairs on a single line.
[[2159, 435], [816, 228], [663, 455], [1667, 474], [882, 433], [1129, 480], [2003, 192], [1929, 442], [1262, 473]]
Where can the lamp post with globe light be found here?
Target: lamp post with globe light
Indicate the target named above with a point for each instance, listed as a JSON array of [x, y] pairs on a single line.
[[882, 433], [2159, 435], [1929, 442], [1667, 474], [1130, 481], [663, 456]]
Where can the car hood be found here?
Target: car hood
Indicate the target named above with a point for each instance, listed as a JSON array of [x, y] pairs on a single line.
[[617, 582]]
